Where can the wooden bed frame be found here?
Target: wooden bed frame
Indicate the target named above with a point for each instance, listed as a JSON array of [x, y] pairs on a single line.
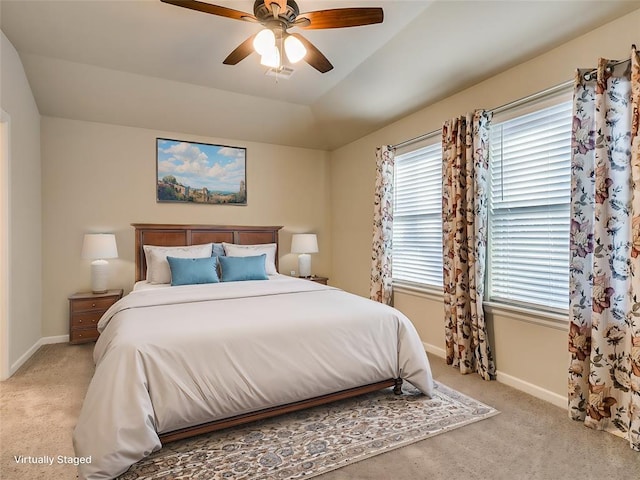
[[179, 235]]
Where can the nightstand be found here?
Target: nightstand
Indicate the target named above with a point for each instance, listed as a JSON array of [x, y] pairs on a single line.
[[313, 278], [85, 310]]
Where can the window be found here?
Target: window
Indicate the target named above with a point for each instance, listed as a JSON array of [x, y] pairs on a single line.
[[529, 199], [417, 217], [529, 209]]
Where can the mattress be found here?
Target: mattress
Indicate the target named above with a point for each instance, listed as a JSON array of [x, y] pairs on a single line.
[[170, 358]]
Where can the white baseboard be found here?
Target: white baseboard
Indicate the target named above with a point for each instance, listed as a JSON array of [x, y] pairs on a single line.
[[56, 339], [24, 357], [531, 389], [517, 383], [437, 351], [34, 348]]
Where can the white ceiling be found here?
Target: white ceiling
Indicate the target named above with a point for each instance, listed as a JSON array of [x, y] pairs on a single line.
[[147, 64]]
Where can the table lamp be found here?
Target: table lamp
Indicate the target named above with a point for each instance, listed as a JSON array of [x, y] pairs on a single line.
[[98, 247], [304, 244]]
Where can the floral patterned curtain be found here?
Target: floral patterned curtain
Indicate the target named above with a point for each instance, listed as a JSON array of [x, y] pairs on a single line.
[[465, 164], [604, 330], [381, 290]]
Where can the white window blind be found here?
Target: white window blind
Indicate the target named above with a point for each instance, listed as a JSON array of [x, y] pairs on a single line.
[[530, 175], [417, 217]]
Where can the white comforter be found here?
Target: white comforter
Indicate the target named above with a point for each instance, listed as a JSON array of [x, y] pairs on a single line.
[[180, 356]]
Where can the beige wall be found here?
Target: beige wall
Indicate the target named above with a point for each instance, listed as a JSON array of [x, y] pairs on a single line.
[[24, 276], [101, 178], [543, 362]]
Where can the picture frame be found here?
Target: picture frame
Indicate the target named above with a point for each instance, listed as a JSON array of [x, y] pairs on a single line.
[[202, 173]]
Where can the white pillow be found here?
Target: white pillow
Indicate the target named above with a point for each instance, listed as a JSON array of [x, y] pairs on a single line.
[[235, 250], [158, 270]]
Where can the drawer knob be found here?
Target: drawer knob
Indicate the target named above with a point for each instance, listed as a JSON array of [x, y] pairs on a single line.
[[80, 321], [93, 304]]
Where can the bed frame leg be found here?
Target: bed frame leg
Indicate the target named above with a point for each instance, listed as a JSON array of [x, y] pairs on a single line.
[[397, 388]]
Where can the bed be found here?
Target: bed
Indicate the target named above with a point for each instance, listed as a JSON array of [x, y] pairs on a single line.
[[177, 361]]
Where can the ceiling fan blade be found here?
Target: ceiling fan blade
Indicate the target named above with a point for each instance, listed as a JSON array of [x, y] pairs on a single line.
[[282, 5], [314, 57], [212, 9], [241, 52], [342, 17]]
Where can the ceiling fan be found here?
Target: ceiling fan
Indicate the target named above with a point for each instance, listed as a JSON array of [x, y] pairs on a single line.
[[278, 16]]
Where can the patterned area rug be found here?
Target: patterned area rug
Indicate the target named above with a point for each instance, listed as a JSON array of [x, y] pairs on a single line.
[[314, 441]]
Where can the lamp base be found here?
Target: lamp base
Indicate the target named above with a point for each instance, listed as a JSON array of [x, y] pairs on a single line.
[[304, 265], [99, 276]]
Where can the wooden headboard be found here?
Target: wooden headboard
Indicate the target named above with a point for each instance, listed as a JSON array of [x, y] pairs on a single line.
[[179, 235]]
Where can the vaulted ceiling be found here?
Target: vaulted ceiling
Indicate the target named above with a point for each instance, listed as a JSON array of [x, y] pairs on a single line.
[[148, 64]]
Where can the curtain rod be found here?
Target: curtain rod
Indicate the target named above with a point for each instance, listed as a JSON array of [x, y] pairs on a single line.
[[587, 75], [419, 138], [550, 91], [536, 96], [501, 108]]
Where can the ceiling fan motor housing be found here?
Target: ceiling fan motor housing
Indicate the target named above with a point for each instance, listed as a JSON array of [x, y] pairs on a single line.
[[263, 14]]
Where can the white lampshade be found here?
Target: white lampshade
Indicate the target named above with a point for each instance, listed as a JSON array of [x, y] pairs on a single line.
[[294, 49], [304, 243], [264, 41], [98, 247], [271, 58]]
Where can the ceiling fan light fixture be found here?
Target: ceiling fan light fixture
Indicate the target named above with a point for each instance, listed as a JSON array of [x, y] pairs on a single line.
[[294, 49], [264, 42], [271, 58]]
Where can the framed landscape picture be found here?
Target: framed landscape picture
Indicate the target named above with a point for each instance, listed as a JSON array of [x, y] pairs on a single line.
[[200, 173]]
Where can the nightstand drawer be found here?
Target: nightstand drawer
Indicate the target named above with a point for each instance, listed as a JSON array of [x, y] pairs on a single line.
[[85, 311], [86, 319], [85, 304], [79, 335]]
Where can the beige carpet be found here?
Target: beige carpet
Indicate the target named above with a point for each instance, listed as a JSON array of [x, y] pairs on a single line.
[[530, 439]]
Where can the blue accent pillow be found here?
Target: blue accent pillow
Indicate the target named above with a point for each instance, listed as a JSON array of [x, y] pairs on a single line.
[[191, 271], [238, 269]]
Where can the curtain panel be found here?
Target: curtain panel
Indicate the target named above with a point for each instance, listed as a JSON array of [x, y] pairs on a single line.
[[604, 329], [465, 165], [381, 283]]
